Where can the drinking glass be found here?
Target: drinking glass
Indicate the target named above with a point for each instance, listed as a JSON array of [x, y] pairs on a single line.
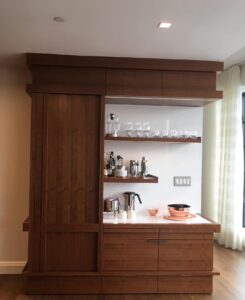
[[156, 133], [165, 133], [138, 129], [108, 125], [129, 129], [116, 127], [146, 129], [173, 133]]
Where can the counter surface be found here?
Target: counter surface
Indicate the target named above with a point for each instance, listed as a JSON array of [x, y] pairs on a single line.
[[145, 219]]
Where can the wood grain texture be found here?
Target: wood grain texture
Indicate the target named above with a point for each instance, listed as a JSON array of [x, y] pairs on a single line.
[[71, 252], [71, 183], [189, 84], [131, 179], [133, 83], [227, 286], [153, 139], [63, 285], [133, 284], [185, 254], [34, 59], [191, 101], [185, 284], [130, 251], [35, 207], [72, 159]]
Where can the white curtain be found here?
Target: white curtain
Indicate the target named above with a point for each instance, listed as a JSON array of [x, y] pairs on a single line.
[[223, 161]]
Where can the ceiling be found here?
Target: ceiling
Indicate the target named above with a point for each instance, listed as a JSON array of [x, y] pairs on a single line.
[[202, 29]]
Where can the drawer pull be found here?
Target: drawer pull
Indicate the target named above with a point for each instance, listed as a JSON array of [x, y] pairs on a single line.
[[152, 241]]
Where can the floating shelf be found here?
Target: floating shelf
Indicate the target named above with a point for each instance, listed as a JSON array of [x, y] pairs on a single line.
[[153, 139], [130, 179]]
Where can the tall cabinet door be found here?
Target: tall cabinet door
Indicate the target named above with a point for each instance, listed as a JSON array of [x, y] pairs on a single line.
[[71, 183]]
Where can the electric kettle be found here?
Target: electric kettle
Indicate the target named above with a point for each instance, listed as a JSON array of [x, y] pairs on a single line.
[[129, 200]]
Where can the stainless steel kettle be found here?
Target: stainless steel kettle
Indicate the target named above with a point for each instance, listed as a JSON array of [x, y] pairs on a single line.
[[111, 205], [129, 200]]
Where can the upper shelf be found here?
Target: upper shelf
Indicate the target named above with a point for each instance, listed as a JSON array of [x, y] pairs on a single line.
[[153, 139], [191, 101]]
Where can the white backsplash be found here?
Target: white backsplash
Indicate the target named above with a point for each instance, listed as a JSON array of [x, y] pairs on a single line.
[[166, 160]]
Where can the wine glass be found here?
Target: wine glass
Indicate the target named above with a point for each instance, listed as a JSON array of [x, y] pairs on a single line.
[[129, 129], [138, 129], [146, 129], [116, 126]]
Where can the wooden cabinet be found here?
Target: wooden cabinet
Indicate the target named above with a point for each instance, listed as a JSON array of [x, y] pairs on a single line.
[[152, 250], [173, 258], [185, 252], [65, 183], [130, 251], [68, 253]]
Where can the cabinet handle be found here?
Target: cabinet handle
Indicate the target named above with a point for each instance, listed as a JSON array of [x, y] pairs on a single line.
[[152, 241]]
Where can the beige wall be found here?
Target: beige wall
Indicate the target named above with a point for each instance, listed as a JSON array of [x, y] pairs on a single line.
[[15, 106]]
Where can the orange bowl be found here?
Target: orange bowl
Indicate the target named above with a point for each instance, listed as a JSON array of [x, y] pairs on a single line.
[[153, 211], [179, 212]]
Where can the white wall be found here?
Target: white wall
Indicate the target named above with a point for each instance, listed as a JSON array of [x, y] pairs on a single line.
[[14, 168], [166, 160]]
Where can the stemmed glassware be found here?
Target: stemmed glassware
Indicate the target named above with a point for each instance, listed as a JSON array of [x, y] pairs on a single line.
[[138, 129], [129, 129], [146, 129]]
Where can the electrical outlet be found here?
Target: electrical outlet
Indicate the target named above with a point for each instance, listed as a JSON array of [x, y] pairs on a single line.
[[182, 180]]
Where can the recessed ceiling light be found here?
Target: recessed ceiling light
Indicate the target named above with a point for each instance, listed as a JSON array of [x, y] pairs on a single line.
[[164, 25], [58, 19]]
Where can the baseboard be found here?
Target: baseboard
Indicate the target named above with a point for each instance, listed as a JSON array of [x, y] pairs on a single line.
[[11, 267]]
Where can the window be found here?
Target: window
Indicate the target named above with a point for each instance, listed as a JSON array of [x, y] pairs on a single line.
[[243, 127]]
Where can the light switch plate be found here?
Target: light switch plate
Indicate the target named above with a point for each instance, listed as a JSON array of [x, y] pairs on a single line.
[[182, 180]]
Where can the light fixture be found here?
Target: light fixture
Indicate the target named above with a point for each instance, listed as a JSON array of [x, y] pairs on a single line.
[[164, 25], [58, 19]]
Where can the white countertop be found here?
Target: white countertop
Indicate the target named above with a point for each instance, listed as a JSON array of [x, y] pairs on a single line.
[[146, 219]]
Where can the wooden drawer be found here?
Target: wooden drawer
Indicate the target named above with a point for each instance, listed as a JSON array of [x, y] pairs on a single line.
[[185, 254], [185, 284], [126, 285], [130, 251]]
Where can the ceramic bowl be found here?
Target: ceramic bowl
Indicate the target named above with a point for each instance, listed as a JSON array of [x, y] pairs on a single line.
[[179, 210], [153, 211]]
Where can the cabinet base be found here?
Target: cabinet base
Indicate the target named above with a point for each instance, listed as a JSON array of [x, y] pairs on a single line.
[[119, 284]]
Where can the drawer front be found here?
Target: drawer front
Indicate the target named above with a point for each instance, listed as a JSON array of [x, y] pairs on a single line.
[[185, 284], [126, 285], [178, 255], [130, 252]]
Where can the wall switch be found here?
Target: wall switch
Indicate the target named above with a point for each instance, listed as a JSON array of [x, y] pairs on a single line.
[[182, 180]]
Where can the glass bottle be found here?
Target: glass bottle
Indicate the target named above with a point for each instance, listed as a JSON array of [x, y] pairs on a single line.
[[144, 167]]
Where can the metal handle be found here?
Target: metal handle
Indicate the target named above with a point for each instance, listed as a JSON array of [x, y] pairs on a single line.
[[152, 241], [138, 198]]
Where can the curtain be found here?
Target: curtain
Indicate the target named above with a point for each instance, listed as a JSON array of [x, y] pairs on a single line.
[[225, 165]]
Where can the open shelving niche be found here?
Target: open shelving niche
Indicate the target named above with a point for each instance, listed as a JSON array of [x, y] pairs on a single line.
[[145, 101]]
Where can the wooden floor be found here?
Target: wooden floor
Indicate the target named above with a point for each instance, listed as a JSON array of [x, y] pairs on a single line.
[[229, 286]]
